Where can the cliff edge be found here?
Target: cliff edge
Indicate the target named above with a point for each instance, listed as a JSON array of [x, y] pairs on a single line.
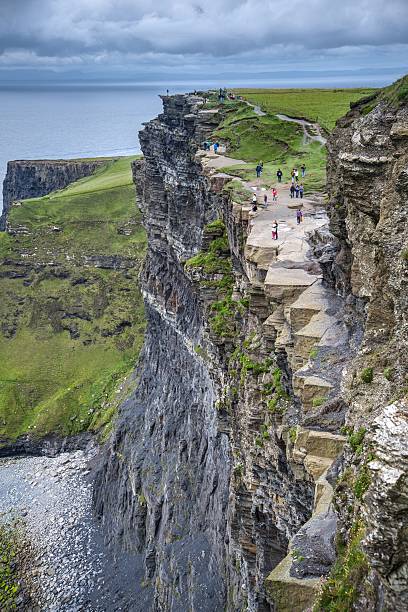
[[251, 466]]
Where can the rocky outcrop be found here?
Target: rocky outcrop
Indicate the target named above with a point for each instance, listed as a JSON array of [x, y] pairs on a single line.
[[202, 476], [232, 462], [368, 209], [35, 178]]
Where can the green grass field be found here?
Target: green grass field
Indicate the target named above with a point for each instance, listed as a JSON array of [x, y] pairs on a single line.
[[71, 331], [323, 106], [279, 144]]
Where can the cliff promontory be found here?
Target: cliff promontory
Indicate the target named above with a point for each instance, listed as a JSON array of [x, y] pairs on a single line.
[[71, 313], [261, 462]]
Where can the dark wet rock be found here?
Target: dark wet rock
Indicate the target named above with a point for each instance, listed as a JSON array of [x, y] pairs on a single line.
[[313, 547], [49, 446]]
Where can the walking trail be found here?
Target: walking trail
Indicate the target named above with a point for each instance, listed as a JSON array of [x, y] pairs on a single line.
[[306, 320], [311, 131]]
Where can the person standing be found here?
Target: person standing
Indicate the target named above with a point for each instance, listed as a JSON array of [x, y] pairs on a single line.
[[275, 230], [258, 170], [303, 170], [274, 195], [301, 190], [254, 202], [297, 190], [299, 216], [265, 200], [296, 174], [279, 175], [292, 191]]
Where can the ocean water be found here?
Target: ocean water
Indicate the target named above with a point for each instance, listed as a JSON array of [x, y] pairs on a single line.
[[75, 121]]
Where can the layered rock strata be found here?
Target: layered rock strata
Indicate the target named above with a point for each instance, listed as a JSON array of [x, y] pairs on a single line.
[[368, 208], [212, 469]]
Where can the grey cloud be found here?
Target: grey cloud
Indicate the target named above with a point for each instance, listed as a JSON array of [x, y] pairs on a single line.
[[218, 28]]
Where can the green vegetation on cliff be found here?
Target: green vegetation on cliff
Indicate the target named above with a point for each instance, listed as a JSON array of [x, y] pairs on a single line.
[[279, 144], [397, 93], [282, 144], [253, 137], [340, 590], [12, 545], [71, 314], [323, 106]]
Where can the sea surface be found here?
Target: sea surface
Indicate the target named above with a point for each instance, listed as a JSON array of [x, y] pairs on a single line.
[[65, 120], [75, 121]]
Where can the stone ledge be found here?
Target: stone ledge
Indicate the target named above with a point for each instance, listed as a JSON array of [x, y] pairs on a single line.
[[290, 594]]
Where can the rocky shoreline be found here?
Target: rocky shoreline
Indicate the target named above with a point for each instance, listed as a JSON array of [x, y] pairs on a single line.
[[66, 566]]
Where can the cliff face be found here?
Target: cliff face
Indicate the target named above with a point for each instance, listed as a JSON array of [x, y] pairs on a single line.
[[164, 488], [260, 365], [368, 186], [33, 179], [198, 476]]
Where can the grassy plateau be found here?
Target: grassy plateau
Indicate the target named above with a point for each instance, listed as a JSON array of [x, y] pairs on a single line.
[[281, 144], [71, 313], [323, 106]]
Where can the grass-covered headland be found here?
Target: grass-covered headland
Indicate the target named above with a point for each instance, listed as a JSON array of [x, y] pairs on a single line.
[[323, 106], [281, 144], [71, 313]]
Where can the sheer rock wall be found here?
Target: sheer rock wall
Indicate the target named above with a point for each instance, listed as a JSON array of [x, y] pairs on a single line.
[[183, 480], [368, 208]]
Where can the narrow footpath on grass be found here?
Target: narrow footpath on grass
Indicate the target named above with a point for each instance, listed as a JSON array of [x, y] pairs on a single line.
[[307, 322]]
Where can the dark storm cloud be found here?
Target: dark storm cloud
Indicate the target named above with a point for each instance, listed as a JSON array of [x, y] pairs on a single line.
[[99, 30]]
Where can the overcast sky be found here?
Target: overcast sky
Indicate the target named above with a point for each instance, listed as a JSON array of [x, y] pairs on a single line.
[[144, 39]]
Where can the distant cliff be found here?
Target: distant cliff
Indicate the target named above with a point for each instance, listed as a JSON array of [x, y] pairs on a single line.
[[71, 313], [36, 178]]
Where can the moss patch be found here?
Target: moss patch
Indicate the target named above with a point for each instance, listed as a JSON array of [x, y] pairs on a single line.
[[341, 588], [367, 375], [11, 548]]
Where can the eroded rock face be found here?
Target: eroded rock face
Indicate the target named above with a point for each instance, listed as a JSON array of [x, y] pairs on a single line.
[[368, 187], [386, 504], [187, 480], [32, 179]]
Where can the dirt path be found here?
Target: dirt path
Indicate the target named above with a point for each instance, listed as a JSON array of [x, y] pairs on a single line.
[[284, 210], [257, 109], [311, 131]]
